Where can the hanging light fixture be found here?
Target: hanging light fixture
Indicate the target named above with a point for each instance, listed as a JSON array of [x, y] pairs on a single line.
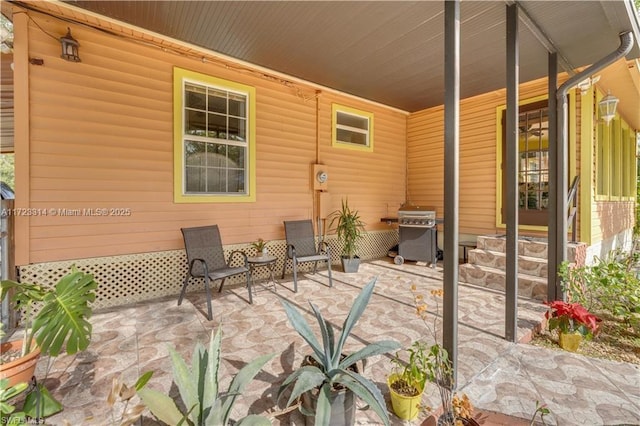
[[69, 47], [607, 107]]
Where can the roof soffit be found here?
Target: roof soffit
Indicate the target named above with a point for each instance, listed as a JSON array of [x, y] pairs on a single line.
[[390, 52]]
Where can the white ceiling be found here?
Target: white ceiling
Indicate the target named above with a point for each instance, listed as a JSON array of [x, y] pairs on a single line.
[[387, 51]]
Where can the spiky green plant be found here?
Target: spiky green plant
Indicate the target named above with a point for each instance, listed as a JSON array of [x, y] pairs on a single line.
[[199, 391], [333, 369], [349, 228]]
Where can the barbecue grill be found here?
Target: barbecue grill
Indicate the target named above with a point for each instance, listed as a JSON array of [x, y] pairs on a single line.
[[418, 235]]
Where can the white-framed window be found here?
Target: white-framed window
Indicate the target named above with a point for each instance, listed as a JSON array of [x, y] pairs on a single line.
[[351, 128], [214, 143]]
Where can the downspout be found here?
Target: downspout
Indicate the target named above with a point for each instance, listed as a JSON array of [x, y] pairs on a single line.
[[559, 240]]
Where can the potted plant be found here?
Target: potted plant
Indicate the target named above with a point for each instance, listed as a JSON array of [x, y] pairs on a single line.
[[407, 381], [456, 408], [573, 322], [349, 228], [261, 247], [200, 391], [327, 380], [61, 322]]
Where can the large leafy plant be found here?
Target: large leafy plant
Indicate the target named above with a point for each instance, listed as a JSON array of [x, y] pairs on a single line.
[[61, 323], [331, 369], [199, 389], [8, 413], [349, 228]]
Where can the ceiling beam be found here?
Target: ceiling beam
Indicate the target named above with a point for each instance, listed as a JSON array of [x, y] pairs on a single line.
[[542, 37]]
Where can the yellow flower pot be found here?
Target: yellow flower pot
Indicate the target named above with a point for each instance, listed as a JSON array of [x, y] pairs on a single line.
[[569, 341], [405, 407]]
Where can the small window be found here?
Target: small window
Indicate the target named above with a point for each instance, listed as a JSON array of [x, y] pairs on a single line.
[[352, 128], [214, 147]]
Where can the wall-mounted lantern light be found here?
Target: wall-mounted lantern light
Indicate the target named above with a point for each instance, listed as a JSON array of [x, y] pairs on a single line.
[[607, 107], [69, 47]]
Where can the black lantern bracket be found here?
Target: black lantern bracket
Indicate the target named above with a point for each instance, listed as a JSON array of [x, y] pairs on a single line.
[[69, 47]]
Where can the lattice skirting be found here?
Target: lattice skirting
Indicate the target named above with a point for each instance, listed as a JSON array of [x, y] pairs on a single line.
[[137, 277]]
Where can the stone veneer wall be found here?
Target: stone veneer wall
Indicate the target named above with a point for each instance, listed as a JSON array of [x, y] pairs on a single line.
[[134, 278]]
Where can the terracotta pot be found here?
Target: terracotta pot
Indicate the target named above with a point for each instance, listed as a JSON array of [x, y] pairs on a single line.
[[447, 419], [21, 369], [405, 407], [569, 341]]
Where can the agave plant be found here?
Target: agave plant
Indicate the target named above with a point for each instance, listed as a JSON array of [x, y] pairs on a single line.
[[199, 391], [332, 369]]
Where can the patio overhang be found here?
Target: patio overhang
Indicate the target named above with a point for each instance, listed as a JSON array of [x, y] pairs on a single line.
[[392, 53], [389, 52]]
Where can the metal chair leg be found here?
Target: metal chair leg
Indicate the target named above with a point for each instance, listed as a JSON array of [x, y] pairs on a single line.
[[295, 275], [248, 274], [329, 269], [208, 289], [284, 266], [184, 289]]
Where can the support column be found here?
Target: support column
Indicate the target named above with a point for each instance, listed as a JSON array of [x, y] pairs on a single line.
[[552, 246], [451, 176], [511, 169]]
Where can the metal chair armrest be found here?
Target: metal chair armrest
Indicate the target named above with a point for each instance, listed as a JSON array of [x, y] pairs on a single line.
[[204, 266], [291, 251], [324, 247], [242, 254]]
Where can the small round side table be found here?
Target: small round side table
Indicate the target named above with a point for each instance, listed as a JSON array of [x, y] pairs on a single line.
[[256, 262]]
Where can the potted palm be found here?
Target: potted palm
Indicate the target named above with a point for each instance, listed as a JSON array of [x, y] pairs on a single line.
[[328, 380], [55, 319], [349, 228]]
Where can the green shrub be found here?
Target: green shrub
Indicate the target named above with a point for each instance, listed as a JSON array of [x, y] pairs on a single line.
[[610, 285]]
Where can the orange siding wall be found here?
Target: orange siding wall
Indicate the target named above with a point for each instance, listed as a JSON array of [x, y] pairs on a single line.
[[6, 103], [101, 137], [478, 150]]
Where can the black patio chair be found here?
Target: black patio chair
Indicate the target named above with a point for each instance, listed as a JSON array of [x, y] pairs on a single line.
[[301, 247], [205, 257]]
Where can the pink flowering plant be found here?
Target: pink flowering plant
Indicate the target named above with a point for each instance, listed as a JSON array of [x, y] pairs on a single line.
[[571, 318]]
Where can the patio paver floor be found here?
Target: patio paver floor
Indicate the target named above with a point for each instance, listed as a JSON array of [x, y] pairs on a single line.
[[497, 375]]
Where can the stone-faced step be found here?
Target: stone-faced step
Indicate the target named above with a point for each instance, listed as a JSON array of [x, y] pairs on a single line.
[[531, 246], [526, 264], [528, 285], [527, 246]]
